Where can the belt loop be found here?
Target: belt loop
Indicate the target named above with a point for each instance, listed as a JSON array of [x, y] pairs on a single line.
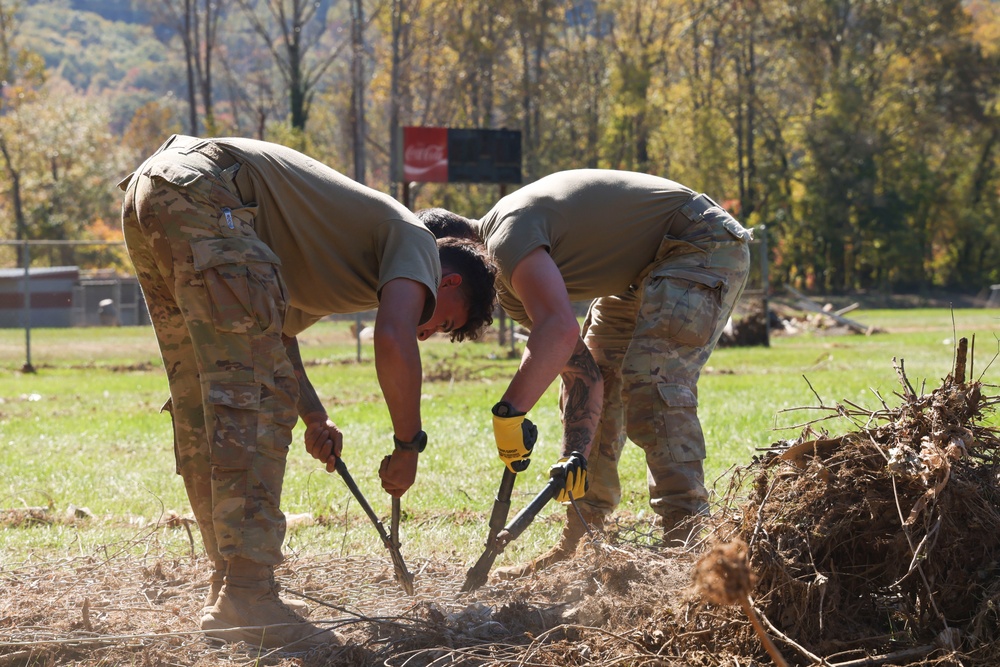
[[696, 207], [216, 154]]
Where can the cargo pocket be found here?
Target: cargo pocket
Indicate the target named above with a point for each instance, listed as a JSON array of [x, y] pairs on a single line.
[[684, 438], [235, 407], [243, 282], [682, 305]]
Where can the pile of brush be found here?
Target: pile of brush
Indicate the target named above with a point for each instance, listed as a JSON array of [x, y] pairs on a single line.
[[884, 541]]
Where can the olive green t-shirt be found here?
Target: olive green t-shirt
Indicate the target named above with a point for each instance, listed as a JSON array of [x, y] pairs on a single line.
[[601, 227], [339, 242]]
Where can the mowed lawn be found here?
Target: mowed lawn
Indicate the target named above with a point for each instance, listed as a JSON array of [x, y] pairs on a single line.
[[83, 438]]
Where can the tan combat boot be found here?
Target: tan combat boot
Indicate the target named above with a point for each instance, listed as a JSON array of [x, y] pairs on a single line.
[[215, 585], [573, 532], [248, 609], [680, 528]]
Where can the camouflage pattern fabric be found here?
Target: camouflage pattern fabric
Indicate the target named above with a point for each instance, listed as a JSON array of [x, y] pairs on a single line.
[[651, 344], [216, 300]]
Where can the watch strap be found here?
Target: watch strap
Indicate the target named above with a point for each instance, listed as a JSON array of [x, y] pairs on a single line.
[[418, 443]]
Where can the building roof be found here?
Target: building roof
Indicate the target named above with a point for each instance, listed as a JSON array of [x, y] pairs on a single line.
[[41, 272]]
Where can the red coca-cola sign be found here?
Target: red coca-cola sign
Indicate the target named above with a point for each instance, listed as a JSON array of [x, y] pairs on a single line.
[[425, 154]]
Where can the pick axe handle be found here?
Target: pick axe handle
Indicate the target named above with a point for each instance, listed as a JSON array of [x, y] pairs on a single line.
[[402, 574], [524, 518], [501, 507], [341, 468], [406, 579], [394, 522], [478, 573]]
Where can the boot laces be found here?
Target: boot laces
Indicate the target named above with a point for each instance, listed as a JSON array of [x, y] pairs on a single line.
[[270, 596]]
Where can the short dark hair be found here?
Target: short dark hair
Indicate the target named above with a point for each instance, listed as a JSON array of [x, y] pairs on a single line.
[[443, 223], [479, 272]]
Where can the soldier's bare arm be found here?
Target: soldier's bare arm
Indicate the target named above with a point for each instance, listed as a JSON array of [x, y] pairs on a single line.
[[554, 329], [580, 399], [323, 440], [397, 365]]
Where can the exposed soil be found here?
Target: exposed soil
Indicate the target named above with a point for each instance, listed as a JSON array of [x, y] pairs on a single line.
[[879, 546]]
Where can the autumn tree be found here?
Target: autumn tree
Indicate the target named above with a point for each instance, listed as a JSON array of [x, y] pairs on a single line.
[[293, 32], [639, 38], [196, 24], [573, 101], [23, 72], [149, 127]]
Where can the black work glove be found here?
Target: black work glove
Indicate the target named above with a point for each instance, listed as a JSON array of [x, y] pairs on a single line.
[[573, 469]]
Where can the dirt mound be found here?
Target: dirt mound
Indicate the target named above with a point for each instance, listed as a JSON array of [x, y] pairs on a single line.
[[885, 540]]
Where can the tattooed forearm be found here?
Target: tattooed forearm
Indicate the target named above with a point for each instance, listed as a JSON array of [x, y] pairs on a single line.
[[580, 399], [308, 398]]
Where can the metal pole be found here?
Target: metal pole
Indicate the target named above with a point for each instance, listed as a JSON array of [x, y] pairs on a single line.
[[117, 291], [27, 368], [25, 246], [513, 344], [764, 283], [357, 333]]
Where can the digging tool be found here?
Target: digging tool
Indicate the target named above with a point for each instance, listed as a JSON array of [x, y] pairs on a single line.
[[524, 518], [403, 575], [477, 575], [479, 572]]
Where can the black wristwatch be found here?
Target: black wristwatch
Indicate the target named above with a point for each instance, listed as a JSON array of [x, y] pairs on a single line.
[[416, 445]]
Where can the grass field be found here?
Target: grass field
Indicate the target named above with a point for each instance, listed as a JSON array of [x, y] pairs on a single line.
[[84, 431]]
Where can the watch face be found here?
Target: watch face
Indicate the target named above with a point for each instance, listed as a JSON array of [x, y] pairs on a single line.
[[421, 441]]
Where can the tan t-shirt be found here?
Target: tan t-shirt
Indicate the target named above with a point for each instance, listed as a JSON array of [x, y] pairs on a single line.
[[339, 242], [601, 227]]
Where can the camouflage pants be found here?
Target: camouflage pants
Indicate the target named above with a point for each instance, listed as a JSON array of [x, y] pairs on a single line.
[[651, 344], [217, 301]]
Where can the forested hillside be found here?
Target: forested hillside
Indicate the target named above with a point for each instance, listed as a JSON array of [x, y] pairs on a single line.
[[864, 134]]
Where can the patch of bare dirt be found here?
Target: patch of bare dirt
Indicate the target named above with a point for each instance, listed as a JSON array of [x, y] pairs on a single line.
[[880, 546]]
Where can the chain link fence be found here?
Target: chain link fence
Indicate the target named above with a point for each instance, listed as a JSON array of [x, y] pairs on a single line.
[[49, 284]]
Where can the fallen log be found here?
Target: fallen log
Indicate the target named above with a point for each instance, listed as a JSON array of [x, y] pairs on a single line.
[[805, 303]]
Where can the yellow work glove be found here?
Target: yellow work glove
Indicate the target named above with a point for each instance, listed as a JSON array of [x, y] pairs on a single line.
[[515, 436], [573, 469]]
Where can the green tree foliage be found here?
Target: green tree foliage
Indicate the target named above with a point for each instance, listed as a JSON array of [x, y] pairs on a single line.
[[864, 134]]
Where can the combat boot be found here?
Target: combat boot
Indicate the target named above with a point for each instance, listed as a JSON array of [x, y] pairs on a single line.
[[573, 532], [680, 528], [248, 609], [216, 579]]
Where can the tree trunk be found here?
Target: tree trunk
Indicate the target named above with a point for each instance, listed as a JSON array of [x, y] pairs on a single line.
[[20, 225], [189, 58], [358, 90], [395, 143]]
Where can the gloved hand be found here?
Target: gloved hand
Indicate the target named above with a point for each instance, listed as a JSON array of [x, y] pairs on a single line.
[[515, 436], [573, 469]]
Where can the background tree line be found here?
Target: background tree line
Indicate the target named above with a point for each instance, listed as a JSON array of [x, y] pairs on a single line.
[[863, 133]]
